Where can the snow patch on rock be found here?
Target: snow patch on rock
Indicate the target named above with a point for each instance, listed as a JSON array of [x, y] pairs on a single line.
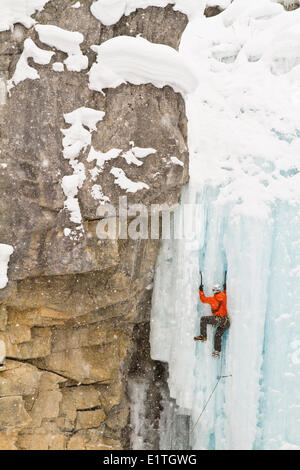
[[23, 70], [101, 158], [176, 161], [125, 183], [135, 153], [131, 156], [77, 138], [98, 194], [66, 41]]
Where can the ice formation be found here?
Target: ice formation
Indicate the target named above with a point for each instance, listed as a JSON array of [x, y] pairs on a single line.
[[126, 183], [19, 11], [23, 70], [5, 253], [244, 141], [110, 12], [135, 60], [138, 395], [77, 138], [66, 41]]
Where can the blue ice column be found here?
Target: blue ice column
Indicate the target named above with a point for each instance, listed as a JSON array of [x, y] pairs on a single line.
[[280, 406]]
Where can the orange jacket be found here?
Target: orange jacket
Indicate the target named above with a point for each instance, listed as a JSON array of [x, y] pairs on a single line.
[[217, 303]]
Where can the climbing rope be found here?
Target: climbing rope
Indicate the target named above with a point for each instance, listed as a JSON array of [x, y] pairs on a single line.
[[210, 396]]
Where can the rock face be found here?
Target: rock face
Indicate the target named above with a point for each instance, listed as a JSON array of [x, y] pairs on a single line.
[[74, 311]]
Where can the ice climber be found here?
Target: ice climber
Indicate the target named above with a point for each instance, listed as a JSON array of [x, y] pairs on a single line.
[[219, 317]]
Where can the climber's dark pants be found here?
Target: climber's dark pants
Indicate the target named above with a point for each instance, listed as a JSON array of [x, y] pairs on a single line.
[[222, 323]]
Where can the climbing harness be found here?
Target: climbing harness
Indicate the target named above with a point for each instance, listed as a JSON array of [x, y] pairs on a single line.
[[210, 396]]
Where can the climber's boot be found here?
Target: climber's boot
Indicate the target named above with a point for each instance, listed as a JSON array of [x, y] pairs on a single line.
[[216, 354], [200, 338]]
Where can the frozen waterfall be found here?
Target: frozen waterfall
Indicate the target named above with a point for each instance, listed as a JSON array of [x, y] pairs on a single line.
[[242, 206]]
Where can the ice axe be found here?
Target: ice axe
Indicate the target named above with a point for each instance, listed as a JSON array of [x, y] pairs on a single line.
[[201, 281]]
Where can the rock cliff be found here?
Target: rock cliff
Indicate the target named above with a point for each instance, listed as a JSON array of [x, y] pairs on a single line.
[[75, 313]]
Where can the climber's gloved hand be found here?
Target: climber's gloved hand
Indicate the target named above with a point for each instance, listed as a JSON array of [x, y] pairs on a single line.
[[201, 287]]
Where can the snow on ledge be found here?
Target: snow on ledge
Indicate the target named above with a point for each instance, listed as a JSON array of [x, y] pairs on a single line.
[[109, 12], [135, 60], [5, 252], [19, 11]]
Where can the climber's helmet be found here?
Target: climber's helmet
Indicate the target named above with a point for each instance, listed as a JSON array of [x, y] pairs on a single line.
[[217, 289]]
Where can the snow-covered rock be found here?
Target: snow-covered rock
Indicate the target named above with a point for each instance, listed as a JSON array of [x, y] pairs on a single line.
[[66, 41], [23, 69], [126, 59], [109, 12], [19, 11]]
